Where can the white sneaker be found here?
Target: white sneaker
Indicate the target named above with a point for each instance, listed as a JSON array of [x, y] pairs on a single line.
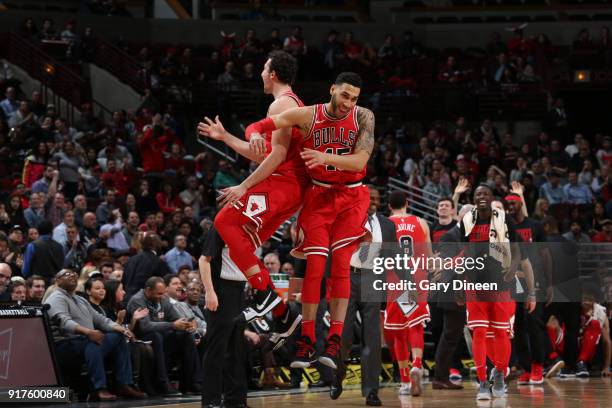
[[405, 389], [416, 376], [483, 391]]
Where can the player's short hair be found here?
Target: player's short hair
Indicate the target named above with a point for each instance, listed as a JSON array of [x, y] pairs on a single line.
[[450, 200], [350, 78], [284, 65], [397, 200], [483, 185]]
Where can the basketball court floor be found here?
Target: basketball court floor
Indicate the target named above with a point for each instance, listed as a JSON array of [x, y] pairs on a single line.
[[557, 393]]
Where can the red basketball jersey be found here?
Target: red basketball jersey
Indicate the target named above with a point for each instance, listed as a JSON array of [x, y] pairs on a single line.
[[410, 235], [293, 163], [334, 136]]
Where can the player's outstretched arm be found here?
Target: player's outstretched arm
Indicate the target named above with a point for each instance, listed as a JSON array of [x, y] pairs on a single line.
[[216, 131], [355, 161]]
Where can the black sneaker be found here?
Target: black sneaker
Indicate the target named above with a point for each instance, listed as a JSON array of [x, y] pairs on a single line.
[[304, 356], [581, 370], [567, 373], [285, 326], [332, 352], [265, 300]]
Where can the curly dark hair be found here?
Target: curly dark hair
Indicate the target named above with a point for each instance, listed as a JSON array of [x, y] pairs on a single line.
[[284, 65], [350, 78]]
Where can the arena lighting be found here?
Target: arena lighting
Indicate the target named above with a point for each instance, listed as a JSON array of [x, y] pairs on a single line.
[[583, 76], [49, 69]]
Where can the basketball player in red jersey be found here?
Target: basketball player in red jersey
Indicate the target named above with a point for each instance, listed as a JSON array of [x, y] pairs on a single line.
[[407, 331], [338, 141], [269, 196]]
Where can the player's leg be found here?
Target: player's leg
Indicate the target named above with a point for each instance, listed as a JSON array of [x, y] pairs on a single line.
[[401, 349], [416, 335], [478, 322], [502, 319], [591, 334]]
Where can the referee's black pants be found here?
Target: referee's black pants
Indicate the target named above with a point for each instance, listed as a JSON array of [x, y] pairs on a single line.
[[452, 332], [530, 335], [224, 351]]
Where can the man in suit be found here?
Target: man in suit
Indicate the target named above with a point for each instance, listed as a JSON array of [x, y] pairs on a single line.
[[362, 277]]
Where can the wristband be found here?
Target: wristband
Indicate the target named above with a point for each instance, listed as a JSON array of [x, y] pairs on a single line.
[[263, 126]]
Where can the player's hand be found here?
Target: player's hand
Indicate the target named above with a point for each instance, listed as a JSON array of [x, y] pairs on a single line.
[[606, 373], [530, 304], [517, 188], [212, 302], [462, 186], [313, 158], [549, 295], [257, 144], [231, 194], [214, 130]]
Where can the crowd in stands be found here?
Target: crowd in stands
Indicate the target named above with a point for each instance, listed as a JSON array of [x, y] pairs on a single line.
[[113, 214]]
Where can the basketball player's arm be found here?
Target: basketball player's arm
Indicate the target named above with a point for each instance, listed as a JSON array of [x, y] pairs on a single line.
[[281, 141], [216, 131], [355, 161], [425, 227], [205, 274], [300, 117]]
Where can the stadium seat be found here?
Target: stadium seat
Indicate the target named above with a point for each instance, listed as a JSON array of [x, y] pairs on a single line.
[[544, 18], [345, 19], [322, 18], [520, 19], [423, 20], [496, 19], [447, 20], [471, 19], [299, 18]]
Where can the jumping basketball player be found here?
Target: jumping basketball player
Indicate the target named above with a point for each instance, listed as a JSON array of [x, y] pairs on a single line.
[[269, 196], [338, 142], [407, 331]]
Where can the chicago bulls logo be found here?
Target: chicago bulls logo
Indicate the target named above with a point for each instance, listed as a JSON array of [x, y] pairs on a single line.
[[256, 205]]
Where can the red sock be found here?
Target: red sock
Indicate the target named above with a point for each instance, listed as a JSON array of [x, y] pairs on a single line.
[[308, 329], [405, 374], [258, 281], [479, 349], [491, 347], [417, 362], [336, 328], [502, 350], [588, 345]]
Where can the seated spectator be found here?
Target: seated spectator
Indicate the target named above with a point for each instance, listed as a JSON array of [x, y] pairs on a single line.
[[89, 231], [583, 42], [178, 256], [5, 279], [106, 207], [59, 233], [24, 118], [176, 292], [272, 262], [449, 72], [81, 332], [226, 176], [115, 178], [146, 264], [95, 291], [48, 31], [111, 232], [9, 104], [605, 235], [435, 188], [75, 250], [167, 200], [575, 233], [170, 334], [36, 289], [17, 290], [43, 257], [552, 190], [575, 192]]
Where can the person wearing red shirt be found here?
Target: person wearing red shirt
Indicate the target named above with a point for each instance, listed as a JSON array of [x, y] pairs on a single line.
[[153, 144], [115, 179], [167, 200], [605, 235]]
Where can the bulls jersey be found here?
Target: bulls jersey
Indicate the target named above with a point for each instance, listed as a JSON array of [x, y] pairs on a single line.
[[333, 136], [293, 164], [410, 234], [437, 230]]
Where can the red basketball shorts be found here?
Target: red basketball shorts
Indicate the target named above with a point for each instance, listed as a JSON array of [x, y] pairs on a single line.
[[268, 204], [492, 314], [332, 217]]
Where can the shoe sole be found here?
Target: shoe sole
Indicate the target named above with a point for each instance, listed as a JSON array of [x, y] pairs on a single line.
[[582, 375], [300, 364], [265, 311], [523, 382], [483, 397], [337, 396], [415, 389], [289, 332], [497, 393], [536, 382], [326, 361], [455, 378], [552, 371]]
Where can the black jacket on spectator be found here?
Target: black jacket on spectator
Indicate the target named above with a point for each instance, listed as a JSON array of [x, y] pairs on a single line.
[[46, 258], [140, 268]]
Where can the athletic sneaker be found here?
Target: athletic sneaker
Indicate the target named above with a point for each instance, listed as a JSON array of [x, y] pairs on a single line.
[[455, 375], [567, 373], [499, 386], [483, 391], [581, 370], [524, 378], [554, 367], [536, 377], [416, 377], [404, 389], [284, 326], [304, 356], [265, 300], [332, 352]]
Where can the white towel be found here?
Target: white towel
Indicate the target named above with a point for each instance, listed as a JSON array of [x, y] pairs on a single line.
[[499, 242]]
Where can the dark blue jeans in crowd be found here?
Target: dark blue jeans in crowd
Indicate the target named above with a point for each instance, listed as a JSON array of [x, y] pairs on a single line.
[[94, 355]]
